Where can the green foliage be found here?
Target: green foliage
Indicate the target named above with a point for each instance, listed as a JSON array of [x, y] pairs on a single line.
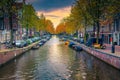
[[29, 18], [42, 24], [90, 12], [49, 27], [70, 25]]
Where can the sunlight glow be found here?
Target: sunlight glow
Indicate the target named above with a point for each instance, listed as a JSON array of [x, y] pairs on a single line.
[[56, 15]]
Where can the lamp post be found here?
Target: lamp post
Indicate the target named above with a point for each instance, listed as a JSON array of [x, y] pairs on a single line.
[[113, 48], [113, 44]]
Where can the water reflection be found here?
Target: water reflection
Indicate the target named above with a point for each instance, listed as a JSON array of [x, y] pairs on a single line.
[[56, 61], [90, 68], [58, 58]]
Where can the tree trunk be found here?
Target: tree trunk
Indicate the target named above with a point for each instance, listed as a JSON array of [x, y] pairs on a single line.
[[94, 29], [85, 30], [11, 29], [98, 30], [27, 32], [85, 35], [10, 11]]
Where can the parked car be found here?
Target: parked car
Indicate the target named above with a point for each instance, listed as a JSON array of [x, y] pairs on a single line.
[[71, 44], [40, 43], [92, 41], [24, 43], [81, 40], [29, 41], [43, 40], [74, 38], [33, 39], [19, 43]]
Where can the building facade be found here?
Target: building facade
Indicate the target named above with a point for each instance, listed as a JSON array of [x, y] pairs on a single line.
[[5, 23], [111, 29], [116, 33]]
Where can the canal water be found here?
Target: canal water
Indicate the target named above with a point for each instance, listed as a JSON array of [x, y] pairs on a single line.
[[56, 61]]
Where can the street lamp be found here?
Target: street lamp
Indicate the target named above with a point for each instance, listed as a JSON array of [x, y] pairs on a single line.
[[113, 44]]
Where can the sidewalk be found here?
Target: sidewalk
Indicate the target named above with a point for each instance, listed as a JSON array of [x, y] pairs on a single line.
[[108, 49], [2, 46], [4, 49], [104, 54]]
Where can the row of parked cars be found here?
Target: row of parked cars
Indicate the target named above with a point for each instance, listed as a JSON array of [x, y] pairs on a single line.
[[42, 41], [23, 43]]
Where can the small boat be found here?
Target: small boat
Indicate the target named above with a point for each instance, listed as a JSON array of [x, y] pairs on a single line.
[[43, 40], [77, 48], [67, 43], [40, 43], [71, 44], [35, 47]]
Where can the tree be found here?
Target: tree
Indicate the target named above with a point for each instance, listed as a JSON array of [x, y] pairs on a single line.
[[70, 25], [29, 17], [89, 12], [42, 24], [80, 14], [60, 28], [11, 10], [101, 10], [49, 27]]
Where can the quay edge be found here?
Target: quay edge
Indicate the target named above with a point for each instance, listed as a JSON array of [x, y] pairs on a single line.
[[8, 55], [111, 59]]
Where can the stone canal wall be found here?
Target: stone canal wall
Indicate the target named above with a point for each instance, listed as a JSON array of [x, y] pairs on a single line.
[[8, 55], [106, 57]]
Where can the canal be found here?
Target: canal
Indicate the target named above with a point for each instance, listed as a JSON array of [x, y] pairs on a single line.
[[56, 61]]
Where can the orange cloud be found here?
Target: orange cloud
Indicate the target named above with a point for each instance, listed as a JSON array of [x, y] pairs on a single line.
[[56, 15]]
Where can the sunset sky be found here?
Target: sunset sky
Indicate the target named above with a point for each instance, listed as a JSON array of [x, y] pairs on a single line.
[[55, 10]]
